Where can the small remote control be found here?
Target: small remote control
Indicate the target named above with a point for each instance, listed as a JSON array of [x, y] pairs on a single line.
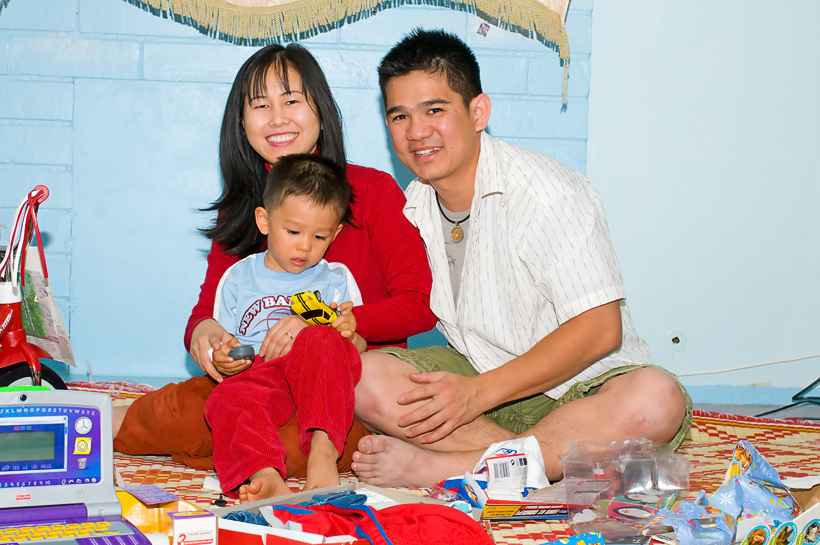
[[245, 352]]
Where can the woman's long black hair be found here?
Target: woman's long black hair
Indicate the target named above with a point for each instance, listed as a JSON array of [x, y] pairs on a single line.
[[243, 170]]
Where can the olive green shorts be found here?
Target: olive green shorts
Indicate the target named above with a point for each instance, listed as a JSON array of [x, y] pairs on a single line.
[[519, 416]]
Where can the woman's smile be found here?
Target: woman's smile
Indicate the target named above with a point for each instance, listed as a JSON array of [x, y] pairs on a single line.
[[282, 139], [281, 121]]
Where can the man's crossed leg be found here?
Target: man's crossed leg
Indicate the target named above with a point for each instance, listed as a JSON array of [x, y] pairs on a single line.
[[644, 402]]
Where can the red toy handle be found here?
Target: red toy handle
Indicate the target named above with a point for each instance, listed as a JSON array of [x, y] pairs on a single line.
[[14, 348], [42, 196], [37, 197]]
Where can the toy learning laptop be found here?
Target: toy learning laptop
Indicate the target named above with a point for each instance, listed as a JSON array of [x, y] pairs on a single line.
[[57, 470]]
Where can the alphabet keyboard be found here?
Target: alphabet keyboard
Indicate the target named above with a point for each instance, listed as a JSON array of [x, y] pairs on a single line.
[[84, 533]]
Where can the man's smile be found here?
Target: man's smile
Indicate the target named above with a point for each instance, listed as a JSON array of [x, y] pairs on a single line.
[[425, 152]]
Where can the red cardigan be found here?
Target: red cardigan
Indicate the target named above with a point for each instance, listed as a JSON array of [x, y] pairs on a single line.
[[382, 250]]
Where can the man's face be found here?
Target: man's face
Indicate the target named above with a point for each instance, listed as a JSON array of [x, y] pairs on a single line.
[[434, 134]]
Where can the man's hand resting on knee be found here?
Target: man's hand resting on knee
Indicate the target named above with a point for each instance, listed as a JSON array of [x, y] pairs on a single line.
[[454, 400]]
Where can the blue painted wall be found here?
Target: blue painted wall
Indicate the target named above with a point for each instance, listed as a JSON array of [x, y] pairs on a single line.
[[118, 111], [701, 135], [704, 140]]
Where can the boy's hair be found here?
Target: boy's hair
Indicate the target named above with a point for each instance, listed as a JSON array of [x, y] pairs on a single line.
[[433, 51], [318, 178]]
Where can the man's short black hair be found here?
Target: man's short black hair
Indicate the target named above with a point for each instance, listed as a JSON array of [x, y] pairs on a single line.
[[433, 51], [319, 179]]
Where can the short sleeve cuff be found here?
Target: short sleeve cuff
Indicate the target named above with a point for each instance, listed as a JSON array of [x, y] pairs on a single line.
[[589, 301]]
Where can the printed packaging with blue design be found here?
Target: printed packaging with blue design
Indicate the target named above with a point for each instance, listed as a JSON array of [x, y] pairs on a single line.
[[753, 506]]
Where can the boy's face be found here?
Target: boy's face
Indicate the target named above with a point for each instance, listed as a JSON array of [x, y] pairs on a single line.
[[299, 233], [434, 134]]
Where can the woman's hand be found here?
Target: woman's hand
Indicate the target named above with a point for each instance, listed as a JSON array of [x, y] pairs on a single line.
[[208, 334], [225, 364], [279, 339]]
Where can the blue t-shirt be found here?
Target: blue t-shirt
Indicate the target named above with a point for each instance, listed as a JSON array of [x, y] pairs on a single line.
[[251, 298]]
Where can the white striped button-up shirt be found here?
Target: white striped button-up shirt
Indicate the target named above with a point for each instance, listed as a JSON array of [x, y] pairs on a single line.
[[538, 254]]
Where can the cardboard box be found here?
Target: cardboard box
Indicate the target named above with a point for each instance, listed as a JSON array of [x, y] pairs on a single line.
[[808, 497], [241, 533], [149, 515], [193, 528], [232, 532], [760, 531], [548, 503], [499, 510]]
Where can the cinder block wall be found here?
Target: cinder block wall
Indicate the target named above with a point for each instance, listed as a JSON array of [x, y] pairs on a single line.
[[118, 111]]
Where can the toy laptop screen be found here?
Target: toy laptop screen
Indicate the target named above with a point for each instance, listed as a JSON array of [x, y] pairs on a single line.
[[49, 445]]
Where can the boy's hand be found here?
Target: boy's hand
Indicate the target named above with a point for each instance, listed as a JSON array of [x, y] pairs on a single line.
[[345, 324], [208, 336], [227, 365]]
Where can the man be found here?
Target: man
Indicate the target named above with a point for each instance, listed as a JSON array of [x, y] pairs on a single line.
[[526, 287]]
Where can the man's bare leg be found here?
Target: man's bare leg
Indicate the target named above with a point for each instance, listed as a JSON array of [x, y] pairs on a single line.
[[321, 465], [384, 378], [644, 403], [393, 458]]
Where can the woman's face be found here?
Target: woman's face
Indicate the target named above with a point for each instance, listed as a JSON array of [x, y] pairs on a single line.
[[281, 122]]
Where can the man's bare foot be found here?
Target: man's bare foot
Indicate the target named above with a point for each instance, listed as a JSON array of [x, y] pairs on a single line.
[[265, 483], [321, 465], [385, 461]]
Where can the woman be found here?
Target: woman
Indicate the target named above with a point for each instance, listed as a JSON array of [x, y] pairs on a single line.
[[280, 104]]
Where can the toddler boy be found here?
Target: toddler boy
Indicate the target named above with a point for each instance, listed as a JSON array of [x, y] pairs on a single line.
[[306, 202]]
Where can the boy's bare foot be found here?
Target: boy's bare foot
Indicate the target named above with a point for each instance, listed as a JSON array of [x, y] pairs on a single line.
[[386, 461], [265, 483], [321, 465]]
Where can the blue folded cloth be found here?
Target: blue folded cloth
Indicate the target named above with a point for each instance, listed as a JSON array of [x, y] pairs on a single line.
[[247, 516], [348, 498]]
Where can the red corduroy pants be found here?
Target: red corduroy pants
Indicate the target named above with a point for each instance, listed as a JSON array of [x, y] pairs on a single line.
[[315, 380]]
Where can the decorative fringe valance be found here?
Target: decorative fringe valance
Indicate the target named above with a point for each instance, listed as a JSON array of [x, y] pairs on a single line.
[[261, 22]]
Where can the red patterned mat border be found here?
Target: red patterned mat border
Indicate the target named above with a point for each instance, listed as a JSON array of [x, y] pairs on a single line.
[[117, 390], [792, 446], [754, 421]]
